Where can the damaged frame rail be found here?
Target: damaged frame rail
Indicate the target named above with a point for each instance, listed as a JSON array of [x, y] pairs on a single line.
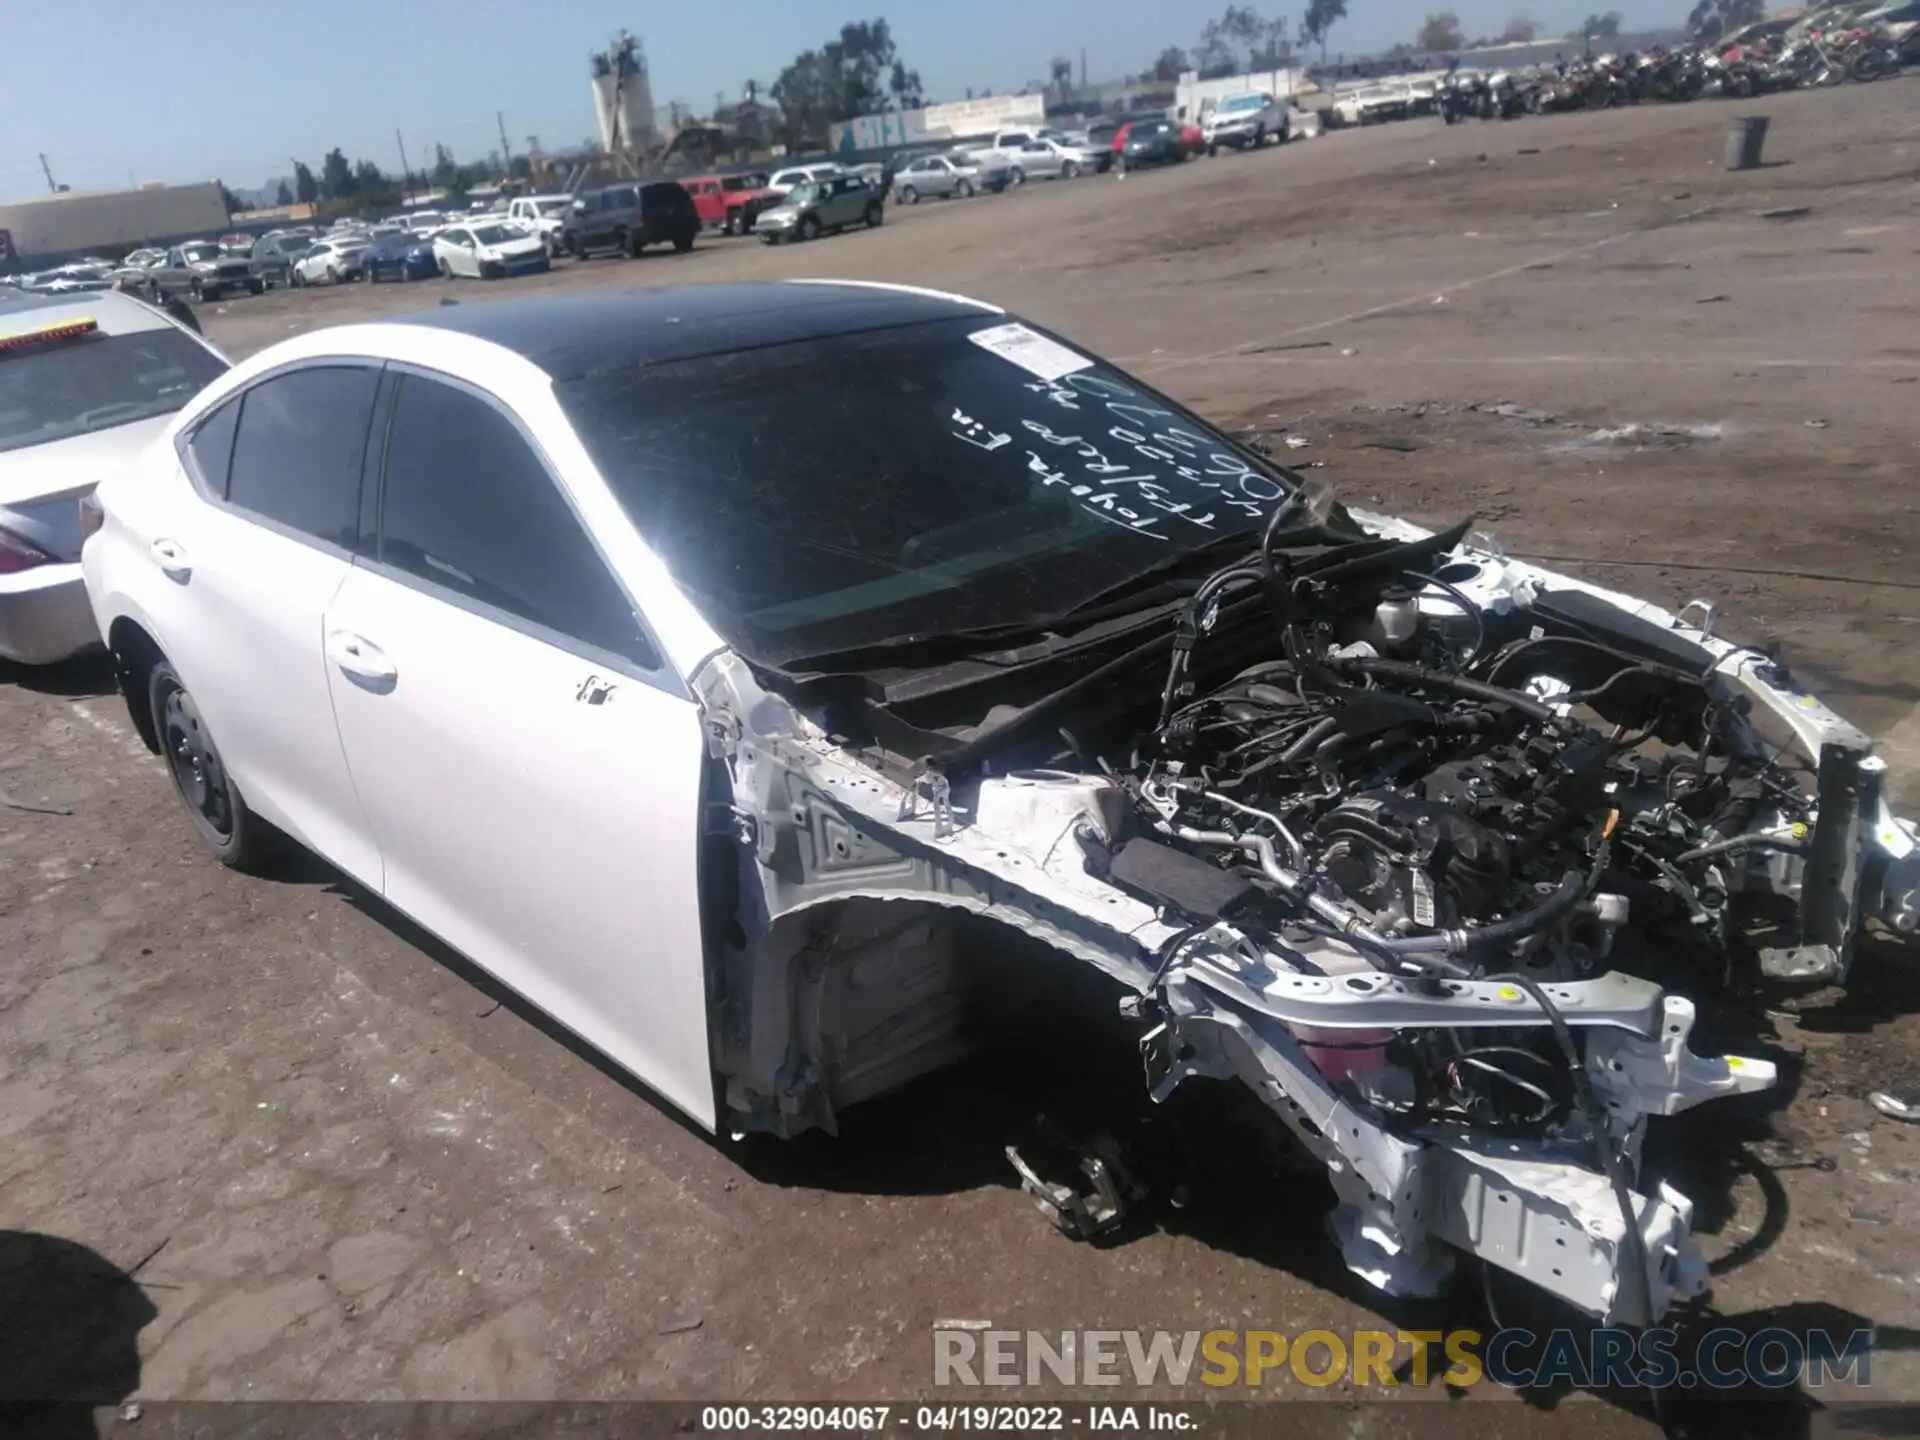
[[823, 835], [1404, 1198]]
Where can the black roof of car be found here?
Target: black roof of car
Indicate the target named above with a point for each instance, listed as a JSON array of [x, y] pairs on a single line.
[[573, 335]]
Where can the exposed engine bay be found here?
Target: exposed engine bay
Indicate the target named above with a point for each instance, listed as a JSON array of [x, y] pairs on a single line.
[[1428, 847]]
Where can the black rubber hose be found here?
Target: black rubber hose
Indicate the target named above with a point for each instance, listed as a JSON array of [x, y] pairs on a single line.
[[1514, 927], [1455, 684], [1740, 842]]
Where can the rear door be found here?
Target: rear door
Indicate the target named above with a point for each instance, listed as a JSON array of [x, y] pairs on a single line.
[[250, 570], [531, 769]]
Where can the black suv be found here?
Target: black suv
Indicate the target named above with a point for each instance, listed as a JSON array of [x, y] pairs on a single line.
[[627, 217]]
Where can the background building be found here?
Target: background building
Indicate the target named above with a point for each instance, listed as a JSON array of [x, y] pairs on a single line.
[[50, 228]]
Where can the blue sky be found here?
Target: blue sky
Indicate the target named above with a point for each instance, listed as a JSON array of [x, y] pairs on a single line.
[[235, 89]]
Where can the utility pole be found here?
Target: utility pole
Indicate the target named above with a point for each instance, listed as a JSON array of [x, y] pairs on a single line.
[[47, 170], [506, 150], [406, 170], [1083, 67]]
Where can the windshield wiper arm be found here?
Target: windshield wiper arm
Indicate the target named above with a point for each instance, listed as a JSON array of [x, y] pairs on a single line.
[[1021, 643]]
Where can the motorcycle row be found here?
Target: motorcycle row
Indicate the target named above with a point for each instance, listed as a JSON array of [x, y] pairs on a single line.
[[1602, 81]]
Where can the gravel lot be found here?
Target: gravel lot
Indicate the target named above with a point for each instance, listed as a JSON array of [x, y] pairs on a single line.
[[354, 1169]]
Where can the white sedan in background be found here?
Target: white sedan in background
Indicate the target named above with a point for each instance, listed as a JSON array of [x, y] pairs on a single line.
[[335, 261], [490, 251], [86, 383]]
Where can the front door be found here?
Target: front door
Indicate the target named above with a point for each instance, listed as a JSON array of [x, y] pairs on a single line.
[[531, 771]]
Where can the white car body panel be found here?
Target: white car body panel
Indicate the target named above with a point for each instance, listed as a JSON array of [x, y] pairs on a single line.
[[593, 917], [583, 896]]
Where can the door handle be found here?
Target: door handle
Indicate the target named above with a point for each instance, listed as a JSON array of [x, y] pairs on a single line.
[[360, 657], [171, 557]]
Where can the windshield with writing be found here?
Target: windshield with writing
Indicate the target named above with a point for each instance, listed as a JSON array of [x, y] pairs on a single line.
[[913, 481], [74, 387]]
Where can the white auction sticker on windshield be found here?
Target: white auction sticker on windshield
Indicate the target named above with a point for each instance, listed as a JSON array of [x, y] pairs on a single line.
[[1030, 350]]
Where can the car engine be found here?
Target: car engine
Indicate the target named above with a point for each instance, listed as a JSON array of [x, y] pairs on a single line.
[[1431, 849]]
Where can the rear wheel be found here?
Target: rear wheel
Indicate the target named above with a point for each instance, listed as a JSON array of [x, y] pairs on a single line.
[[683, 242], [911, 196], [808, 228], [1016, 176], [874, 215], [214, 804]]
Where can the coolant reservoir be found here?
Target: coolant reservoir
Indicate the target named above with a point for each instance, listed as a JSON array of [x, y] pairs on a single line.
[[1397, 615]]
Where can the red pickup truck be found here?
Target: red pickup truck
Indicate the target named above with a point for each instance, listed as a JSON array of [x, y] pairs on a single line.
[[728, 203]]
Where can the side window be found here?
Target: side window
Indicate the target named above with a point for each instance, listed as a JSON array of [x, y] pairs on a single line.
[[296, 458], [209, 449], [467, 504]]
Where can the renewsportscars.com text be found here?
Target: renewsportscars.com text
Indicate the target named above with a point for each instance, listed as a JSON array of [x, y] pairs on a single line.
[[1722, 1359]]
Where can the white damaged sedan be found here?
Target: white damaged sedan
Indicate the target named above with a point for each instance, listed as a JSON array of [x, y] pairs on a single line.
[[86, 383], [769, 681], [490, 251]]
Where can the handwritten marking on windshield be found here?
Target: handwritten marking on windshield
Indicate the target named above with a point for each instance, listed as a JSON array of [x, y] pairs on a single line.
[[972, 432], [1128, 471], [1098, 501]]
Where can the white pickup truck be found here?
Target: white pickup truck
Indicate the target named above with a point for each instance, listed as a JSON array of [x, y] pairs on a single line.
[[1245, 122], [544, 215]]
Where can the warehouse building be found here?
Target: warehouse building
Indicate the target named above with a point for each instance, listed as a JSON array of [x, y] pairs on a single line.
[[48, 229]]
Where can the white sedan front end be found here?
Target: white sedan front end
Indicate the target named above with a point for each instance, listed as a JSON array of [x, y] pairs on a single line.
[[490, 252], [86, 384]]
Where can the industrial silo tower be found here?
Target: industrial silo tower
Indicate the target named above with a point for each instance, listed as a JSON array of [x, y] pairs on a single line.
[[623, 97]]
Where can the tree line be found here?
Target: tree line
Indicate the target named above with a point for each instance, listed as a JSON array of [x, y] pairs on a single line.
[[1443, 32], [341, 185], [1240, 40]]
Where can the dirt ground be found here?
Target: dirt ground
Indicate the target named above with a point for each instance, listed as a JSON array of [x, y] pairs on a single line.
[[340, 1164]]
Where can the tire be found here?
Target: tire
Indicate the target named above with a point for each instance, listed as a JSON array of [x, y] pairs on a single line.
[[218, 811], [1260, 136], [911, 196], [490, 271], [874, 215], [1213, 150], [333, 274], [1016, 176], [964, 190], [295, 280], [196, 290], [730, 225], [683, 242], [574, 247], [808, 228], [1070, 170], [256, 286], [446, 270]]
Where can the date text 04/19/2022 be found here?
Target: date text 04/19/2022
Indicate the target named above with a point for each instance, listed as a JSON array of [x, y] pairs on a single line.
[[944, 1419]]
